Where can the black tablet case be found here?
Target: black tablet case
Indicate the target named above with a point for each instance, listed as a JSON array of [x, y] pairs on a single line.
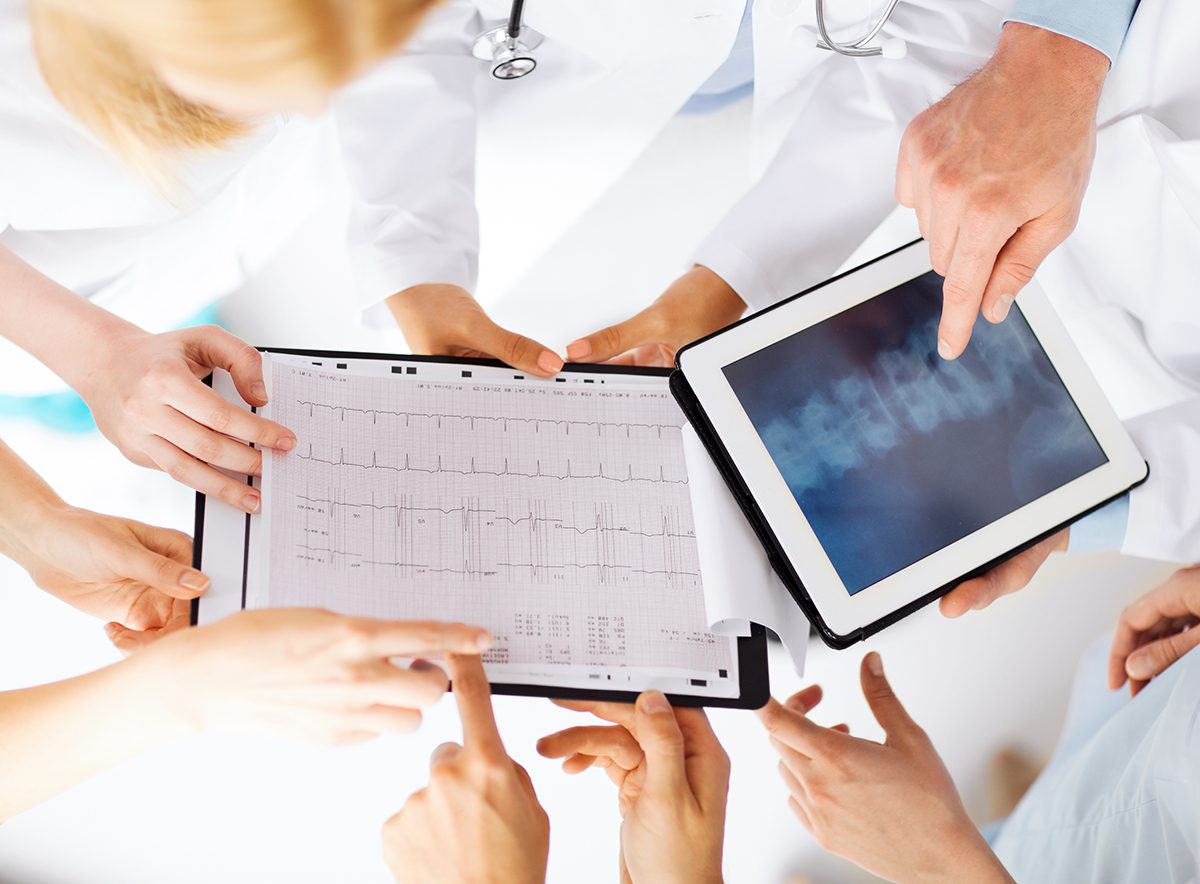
[[699, 420], [752, 650]]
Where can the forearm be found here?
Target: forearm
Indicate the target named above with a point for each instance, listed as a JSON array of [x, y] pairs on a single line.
[[25, 500], [52, 323], [57, 735]]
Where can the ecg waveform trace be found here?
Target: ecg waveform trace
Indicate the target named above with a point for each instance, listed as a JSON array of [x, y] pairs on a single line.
[[556, 516]]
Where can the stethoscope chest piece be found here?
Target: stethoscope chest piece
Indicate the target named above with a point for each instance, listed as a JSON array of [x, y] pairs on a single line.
[[510, 56]]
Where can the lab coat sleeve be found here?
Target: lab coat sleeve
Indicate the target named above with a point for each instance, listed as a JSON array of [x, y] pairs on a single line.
[[1164, 512], [1102, 530], [406, 132], [1100, 24], [805, 216]]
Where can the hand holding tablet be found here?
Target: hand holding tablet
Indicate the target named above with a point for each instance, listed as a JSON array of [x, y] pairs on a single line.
[[879, 476]]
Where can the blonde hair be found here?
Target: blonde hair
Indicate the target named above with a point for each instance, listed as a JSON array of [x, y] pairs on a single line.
[[96, 57]]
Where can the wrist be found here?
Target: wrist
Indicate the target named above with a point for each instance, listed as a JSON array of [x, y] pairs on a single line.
[[141, 692], [965, 856], [30, 512], [165, 676], [1035, 55]]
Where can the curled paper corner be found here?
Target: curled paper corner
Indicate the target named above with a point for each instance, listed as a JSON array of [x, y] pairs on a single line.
[[740, 586]]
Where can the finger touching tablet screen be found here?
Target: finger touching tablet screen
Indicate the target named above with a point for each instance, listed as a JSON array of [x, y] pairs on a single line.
[[878, 473]]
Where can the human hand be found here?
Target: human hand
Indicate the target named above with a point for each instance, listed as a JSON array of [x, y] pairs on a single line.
[[696, 304], [888, 807], [1155, 631], [445, 320], [673, 782], [478, 820], [1007, 577], [136, 576], [307, 674], [148, 398], [997, 170]]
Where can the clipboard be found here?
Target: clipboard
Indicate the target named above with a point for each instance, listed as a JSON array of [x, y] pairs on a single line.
[[224, 537]]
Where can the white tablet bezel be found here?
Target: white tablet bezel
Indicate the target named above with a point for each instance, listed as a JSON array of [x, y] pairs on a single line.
[[843, 613]]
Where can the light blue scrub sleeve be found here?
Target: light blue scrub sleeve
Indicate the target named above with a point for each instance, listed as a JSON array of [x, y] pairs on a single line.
[[1101, 531], [1100, 24]]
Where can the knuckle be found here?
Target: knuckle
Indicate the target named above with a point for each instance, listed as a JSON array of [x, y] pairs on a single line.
[[353, 635], [946, 184], [612, 340], [1019, 271], [208, 449], [956, 294], [248, 355], [181, 471], [220, 418]]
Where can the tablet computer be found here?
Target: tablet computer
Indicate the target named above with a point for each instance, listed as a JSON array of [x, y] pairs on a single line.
[[879, 475], [555, 513]]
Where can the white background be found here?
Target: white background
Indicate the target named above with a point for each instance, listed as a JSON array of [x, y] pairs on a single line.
[[233, 811]]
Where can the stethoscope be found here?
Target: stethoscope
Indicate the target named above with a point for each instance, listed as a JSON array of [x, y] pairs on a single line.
[[508, 47]]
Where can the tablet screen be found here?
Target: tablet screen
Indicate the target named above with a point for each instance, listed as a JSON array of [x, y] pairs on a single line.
[[893, 453]]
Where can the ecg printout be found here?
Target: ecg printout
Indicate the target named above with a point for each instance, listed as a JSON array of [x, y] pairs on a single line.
[[556, 514]]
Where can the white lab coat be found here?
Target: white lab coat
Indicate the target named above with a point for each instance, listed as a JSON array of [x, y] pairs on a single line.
[[1127, 282], [402, 144]]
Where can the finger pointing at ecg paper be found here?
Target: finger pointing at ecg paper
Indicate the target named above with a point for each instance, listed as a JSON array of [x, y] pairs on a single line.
[[479, 819], [997, 170]]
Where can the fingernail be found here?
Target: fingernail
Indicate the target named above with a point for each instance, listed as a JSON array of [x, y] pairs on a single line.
[[1001, 307], [580, 349], [421, 665], [483, 642], [875, 664], [1138, 666], [285, 443], [654, 703], [550, 362], [251, 502], [944, 349], [193, 580], [110, 630], [259, 389]]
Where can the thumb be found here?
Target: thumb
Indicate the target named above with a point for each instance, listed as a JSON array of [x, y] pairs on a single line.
[[1153, 658], [142, 565], [885, 706], [612, 341], [129, 641], [217, 348], [662, 742], [1018, 260], [518, 351]]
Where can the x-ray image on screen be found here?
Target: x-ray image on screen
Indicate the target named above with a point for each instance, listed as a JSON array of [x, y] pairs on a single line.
[[893, 453]]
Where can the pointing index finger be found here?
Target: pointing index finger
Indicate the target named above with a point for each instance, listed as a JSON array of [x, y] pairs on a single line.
[[469, 683], [975, 252]]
